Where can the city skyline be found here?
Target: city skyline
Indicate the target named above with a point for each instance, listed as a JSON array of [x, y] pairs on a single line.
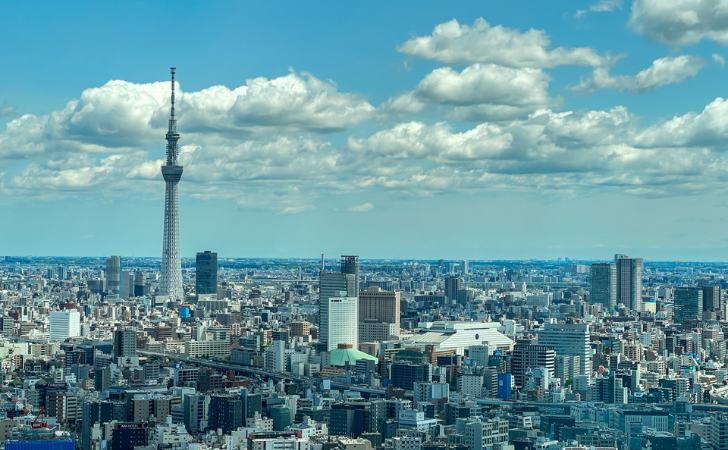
[[410, 225], [394, 137]]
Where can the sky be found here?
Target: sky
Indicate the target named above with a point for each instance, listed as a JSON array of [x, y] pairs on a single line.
[[408, 129]]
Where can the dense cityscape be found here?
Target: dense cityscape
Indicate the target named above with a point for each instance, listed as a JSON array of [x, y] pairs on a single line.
[[466, 153], [364, 354]]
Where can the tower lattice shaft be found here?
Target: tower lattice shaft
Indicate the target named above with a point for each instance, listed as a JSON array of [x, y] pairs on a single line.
[[171, 283]]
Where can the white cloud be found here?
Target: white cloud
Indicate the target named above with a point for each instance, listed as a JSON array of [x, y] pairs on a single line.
[[289, 167], [708, 129], [121, 115], [405, 103], [718, 59], [486, 84], [417, 140], [295, 100], [362, 207], [681, 22], [602, 6], [564, 151], [662, 72], [478, 92], [453, 43]]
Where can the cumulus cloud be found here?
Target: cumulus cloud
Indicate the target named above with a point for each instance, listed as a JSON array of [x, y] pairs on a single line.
[[286, 164], [718, 59], [662, 72], [681, 22], [602, 6], [486, 83], [362, 207], [549, 150], [417, 140], [455, 43], [478, 92], [404, 103], [707, 128], [295, 100], [122, 115]]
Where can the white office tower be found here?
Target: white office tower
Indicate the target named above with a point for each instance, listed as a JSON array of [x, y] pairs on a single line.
[[64, 324], [569, 340], [343, 318], [333, 284]]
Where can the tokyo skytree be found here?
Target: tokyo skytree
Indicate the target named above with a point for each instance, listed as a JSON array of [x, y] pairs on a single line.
[[171, 283]]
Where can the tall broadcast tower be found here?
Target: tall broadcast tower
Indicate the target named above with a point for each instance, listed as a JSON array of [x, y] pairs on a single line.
[[171, 284]]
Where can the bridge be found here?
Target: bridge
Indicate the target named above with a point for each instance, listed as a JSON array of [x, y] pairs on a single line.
[[260, 373]]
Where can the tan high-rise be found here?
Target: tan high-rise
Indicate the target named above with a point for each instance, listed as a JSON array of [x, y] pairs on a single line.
[[381, 306]]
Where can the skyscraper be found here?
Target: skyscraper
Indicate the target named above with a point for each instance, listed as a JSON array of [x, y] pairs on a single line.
[[171, 282], [688, 304], [604, 284], [206, 273], [569, 340], [343, 318], [379, 313], [138, 283], [712, 299], [126, 287], [527, 356], [113, 274], [453, 285], [333, 284], [629, 281], [350, 264]]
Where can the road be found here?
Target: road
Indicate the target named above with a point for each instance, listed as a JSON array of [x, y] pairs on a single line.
[[260, 372]]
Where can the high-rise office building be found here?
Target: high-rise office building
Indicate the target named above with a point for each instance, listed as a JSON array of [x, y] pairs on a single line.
[[113, 274], [171, 270], [379, 313], [528, 356], [124, 343], [453, 285], [333, 284], [64, 324], [712, 299], [688, 304], [376, 304], [225, 412], [604, 284], [355, 418], [126, 288], [350, 265], [343, 319], [206, 273], [195, 410], [569, 340], [139, 283], [629, 281]]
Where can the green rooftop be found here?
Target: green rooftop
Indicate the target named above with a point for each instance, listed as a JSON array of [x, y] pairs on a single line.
[[342, 356]]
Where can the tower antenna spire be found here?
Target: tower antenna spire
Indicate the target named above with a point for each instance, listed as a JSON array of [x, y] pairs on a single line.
[[172, 71]]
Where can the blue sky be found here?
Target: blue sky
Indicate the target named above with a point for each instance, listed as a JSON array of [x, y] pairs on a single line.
[[407, 129]]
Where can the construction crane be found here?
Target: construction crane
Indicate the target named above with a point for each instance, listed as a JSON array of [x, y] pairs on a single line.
[[37, 423]]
